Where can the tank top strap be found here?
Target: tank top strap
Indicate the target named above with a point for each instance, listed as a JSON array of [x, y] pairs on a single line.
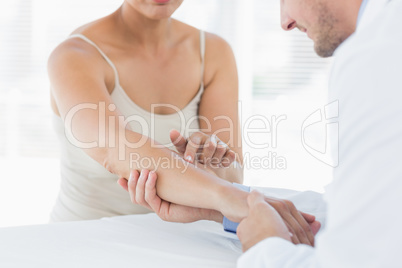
[[202, 51], [86, 39]]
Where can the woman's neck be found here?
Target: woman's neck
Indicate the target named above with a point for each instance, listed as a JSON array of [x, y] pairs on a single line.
[[139, 30]]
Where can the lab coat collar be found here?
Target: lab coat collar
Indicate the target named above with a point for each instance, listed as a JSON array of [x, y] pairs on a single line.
[[373, 8]]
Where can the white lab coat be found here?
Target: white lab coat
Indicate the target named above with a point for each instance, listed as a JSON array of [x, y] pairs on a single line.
[[364, 220]]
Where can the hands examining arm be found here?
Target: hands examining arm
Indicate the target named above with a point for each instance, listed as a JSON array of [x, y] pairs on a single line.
[[264, 221], [205, 149], [211, 152], [266, 218]]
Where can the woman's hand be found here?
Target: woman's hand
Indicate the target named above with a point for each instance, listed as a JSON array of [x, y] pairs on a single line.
[[142, 189], [206, 149]]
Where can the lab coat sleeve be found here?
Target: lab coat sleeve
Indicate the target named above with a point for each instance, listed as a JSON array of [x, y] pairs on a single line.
[[277, 252]]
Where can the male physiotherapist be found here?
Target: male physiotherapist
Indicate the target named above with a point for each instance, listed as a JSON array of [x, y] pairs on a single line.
[[364, 200], [364, 220]]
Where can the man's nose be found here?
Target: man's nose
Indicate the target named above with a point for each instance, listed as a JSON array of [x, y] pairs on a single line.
[[287, 23]]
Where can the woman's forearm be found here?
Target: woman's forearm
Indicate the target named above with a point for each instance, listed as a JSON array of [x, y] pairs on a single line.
[[178, 181], [233, 173]]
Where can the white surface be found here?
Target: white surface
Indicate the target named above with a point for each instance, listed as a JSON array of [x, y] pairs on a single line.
[[364, 219], [125, 241], [28, 190], [131, 241]]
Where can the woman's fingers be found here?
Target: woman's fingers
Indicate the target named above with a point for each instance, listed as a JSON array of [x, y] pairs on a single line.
[[140, 189], [228, 158], [132, 185], [194, 143], [123, 183], [178, 140], [151, 197], [208, 150], [220, 151]]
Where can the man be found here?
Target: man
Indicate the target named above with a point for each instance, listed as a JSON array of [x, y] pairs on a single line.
[[363, 221]]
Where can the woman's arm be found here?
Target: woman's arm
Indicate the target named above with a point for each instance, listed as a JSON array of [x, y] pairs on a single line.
[[219, 104], [77, 76]]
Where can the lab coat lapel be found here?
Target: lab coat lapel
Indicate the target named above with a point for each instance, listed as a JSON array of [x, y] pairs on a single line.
[[373, 8]]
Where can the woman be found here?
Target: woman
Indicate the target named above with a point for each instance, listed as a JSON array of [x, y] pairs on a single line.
[[140, 62]]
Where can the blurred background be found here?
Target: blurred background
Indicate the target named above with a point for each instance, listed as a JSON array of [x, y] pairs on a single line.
[[279, 73]]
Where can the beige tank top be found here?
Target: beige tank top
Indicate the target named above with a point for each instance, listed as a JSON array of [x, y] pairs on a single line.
[[88, 190]]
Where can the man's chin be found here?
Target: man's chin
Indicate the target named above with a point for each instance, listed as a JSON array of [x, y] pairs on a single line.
[[323, 52]]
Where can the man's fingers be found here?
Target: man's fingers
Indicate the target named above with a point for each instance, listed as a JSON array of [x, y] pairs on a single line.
[[284, 208], [308, 217], [178, 140], [315, 227], [300, 226], [297, 229], [293, 237], [304, 225], [301, 221]]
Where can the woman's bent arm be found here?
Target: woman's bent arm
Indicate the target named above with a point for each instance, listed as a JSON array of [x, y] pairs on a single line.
[[77, 76], [219, 113]]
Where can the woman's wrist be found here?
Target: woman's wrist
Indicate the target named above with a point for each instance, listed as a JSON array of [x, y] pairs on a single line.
[[212, 215], [232, 202], [233, 173]]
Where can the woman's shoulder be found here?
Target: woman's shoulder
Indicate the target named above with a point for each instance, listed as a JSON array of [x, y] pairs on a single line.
[[215, 44], [77, 46]]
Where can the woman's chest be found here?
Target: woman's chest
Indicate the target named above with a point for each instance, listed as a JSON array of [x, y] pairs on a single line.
[[171, 80]]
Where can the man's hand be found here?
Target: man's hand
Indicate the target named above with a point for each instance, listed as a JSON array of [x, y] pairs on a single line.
[[206, 149], [142, 189], [263, 221], [302, 226]]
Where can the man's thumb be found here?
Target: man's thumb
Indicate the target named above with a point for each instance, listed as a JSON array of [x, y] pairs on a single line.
[[254, 198]]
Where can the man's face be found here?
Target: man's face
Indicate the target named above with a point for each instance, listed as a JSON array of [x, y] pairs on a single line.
[[328, 23]]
